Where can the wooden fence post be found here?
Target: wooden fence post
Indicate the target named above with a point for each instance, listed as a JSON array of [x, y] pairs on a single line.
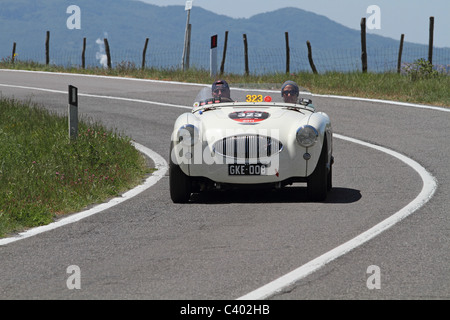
[[399, 63], [363, 45], [288, 56], [47, 48], [186, 33], [311, 62], [13, 57], [222, 65], [108, 53], [247, 72], [143, 53], [83, 55], [430, 45], [188, 46]]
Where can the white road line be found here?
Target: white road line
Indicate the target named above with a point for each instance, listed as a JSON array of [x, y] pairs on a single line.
[[160, 165], [288, 280], [284, 282], [404, 104], [98, 96], [104, 77]]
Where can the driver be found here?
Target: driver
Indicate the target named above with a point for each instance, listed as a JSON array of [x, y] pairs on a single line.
[[220, 89], [290, 92]]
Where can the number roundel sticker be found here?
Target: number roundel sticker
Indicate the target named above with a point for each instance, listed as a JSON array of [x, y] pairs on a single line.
[[249, 116]]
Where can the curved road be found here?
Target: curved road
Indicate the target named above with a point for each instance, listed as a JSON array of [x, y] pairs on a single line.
[[225, 246]]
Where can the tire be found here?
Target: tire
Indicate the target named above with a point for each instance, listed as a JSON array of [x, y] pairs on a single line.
[[318, 185], [180, 184], [330, 175]]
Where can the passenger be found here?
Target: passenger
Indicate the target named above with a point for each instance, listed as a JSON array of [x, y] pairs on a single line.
[[220, 89], [290, 92]]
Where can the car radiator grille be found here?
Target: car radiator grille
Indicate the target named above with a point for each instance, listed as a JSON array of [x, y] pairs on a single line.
[[247, 147]]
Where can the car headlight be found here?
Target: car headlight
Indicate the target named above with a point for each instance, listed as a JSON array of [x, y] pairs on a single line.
[[307, 136], [188, 135]]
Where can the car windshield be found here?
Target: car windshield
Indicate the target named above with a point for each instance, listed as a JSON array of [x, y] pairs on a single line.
[[246, 93]]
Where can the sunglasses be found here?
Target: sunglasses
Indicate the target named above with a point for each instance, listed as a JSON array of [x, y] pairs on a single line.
[[291, 92], [220, 90]]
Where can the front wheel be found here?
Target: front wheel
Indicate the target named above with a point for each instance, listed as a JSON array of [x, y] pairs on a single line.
[[180, 184], [318, 184], [330, 175]]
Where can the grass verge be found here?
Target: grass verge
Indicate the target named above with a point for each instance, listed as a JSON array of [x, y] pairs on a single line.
[[44, 175]]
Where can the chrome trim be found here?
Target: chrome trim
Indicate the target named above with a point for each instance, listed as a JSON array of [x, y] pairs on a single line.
[[245, 147]]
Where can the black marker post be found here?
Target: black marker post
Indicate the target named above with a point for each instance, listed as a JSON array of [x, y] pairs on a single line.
[[73, 112]]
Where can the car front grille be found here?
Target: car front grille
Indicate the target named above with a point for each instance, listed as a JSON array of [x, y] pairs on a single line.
[[245, 147]]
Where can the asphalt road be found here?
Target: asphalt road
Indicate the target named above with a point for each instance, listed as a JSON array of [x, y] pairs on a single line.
[[226, 245]]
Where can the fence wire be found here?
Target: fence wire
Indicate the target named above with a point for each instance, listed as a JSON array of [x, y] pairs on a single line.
[[260, 60]]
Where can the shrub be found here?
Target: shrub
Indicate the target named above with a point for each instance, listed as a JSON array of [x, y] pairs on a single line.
[[420, 69]]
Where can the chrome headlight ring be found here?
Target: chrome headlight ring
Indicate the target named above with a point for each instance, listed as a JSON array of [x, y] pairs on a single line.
[[307, 136]]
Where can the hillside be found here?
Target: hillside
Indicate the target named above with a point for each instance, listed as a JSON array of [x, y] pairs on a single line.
[[127, 23]]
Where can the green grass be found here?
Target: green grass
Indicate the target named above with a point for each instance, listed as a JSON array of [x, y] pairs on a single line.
[[389, 86], [43, 174]]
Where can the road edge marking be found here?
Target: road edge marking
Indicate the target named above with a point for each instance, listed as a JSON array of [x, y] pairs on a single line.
[[160, 165], [398, 103], [288, 280], [98, 96]]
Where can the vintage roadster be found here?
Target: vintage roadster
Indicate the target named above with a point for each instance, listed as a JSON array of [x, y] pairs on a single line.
[[252, 139]]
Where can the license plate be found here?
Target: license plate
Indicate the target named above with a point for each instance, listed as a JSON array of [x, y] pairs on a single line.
[[246, 169]]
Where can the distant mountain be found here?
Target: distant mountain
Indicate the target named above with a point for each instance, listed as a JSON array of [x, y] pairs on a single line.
[[127, 23]]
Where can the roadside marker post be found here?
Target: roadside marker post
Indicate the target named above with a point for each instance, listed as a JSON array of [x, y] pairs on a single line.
[[213, 56], [73, 112]]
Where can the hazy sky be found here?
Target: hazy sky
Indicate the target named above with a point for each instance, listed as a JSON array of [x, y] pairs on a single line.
[[411, 17]]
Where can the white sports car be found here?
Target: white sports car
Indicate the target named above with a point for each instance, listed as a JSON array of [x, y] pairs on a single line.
[[254, 139]]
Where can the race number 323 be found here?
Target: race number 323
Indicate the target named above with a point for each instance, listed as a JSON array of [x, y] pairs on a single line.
[[254, 98]]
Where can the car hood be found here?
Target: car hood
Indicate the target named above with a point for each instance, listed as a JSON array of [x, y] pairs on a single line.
[[279, 121]]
